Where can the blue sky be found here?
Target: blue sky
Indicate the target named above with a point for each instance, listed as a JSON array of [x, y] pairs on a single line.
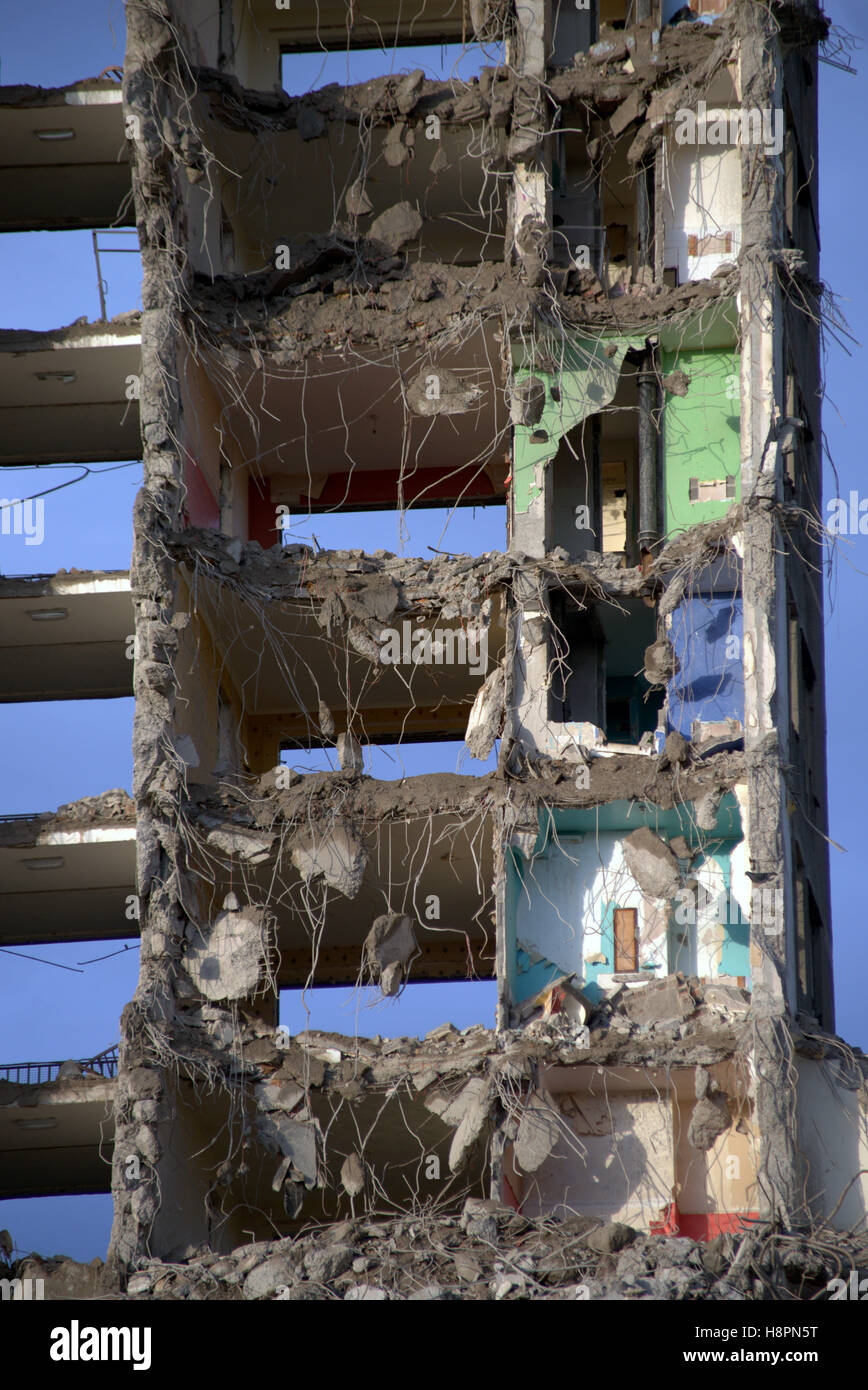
[[56, 752]]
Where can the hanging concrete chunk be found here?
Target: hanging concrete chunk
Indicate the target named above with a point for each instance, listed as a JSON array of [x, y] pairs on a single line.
[[488, 18], [228, 962], [255, 849], [396, 226], [337, 856], [676, 751], [486, 717], [350, 755], [409, 90], [310, 124], [680, 848], [709, 1120], [707, 808], [677, 383], [538, 1133], [326, 720], [661, 662], [396, 146], [278, 1095], [437, 391], [477, 1102], [352, 1175], [299, 1144], [357, 202], [651, 863], [389, 948]]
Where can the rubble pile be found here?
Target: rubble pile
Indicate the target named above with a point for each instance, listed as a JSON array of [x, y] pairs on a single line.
[[489, 1252]]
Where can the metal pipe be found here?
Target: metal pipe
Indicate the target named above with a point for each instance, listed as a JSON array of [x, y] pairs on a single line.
[[645, 215], [647, 385]]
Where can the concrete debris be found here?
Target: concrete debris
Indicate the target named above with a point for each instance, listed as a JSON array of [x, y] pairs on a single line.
[[539, 1130], [560, 997], [398, 145], [228, 960], [267, 1278], [651, 863], [676, 751], [350, 753], [255, 849], [324, 1264], [477, 1103], [396, 226], [611, 1238], [528, 401], [68, 1071], [487, 715], [709, 1120], [438, 391], [357, 202], [492, 1253], [389, 949], [661, 662], [310, 124], [63, 1278], [276, 1095], [677, 383], [706, 808], [729, 1000], [660, 1002], [489, 19], [297, 1141], [337, 856], [352, 1175], [326, 720]]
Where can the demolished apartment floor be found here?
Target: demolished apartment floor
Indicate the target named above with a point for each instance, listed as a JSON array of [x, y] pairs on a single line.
[[467, 1247]]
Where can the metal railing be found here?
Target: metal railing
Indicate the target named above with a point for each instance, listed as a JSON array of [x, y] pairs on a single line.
[[40, 1073]]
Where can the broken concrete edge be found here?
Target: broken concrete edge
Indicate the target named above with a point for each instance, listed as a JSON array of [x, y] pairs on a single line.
[[62, 1089], [291, 316], [71, 582], [598, 80], [543, 782], [298, 572], [27, 95], [110, 808], [124, 325]]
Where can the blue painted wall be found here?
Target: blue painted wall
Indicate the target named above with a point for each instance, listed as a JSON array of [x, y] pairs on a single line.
[[707, 634]]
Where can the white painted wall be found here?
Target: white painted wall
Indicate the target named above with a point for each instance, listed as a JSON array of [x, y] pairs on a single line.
[[703, 198], [615, 1160], [833, 1137], [561, 908]]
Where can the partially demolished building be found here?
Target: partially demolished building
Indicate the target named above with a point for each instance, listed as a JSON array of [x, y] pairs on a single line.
[[583, 284]]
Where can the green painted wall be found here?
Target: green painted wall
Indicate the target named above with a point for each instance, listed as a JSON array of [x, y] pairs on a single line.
[[585, 384], [701, 433]]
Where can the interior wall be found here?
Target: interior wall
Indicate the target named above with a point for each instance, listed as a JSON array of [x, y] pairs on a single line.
[[614, 1160], [562, 904], [702, 211], [701, 436], [831, 1107]]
